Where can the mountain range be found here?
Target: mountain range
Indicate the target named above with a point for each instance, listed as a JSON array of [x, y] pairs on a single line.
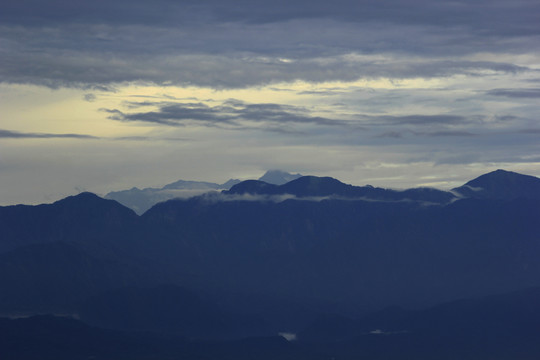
[[141, 200], [352, 271]]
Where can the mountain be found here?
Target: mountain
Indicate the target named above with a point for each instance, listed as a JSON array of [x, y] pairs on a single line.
[[262, 258], [501, 184], [278, 177], [498, 327], [85, 219], [61, 338], [142, 200], [313, 186], [502, 326], [352, 253]]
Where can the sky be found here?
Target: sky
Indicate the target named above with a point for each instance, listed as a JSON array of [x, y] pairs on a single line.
[[105, 95]]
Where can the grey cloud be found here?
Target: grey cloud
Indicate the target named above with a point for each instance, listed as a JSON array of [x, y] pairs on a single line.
[[461, 159], [288, 119], [420, 120], [442, 133], [391, 134], [516, 18], [232, 55], [217, 71], [7, 134], [89, 97], [534, 131], [450, 133], [231, 113], [148, 138], [516, 93]]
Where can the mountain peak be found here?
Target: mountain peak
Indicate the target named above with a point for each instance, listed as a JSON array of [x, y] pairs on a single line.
[[278, 177], [88, 202], [316, 186], [501, 184], [81, 197], [304, 186], [253, 187]]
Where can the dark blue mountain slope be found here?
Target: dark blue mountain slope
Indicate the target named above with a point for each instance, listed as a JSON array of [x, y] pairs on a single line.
[[503, 326], [501, 184], [84, 218]]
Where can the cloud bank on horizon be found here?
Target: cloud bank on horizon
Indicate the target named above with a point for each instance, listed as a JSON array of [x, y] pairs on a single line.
[[106, 95]]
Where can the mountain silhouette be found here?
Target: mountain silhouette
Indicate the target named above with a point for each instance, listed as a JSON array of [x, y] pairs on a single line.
[[313, 186], [140, 200], [501, 184], [500, 327], [85, 219], [278, 177], [310, 247]]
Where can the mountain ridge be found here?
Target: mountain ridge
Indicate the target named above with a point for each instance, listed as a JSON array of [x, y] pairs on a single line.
[[140, 200], [314, 251], [501, 184]]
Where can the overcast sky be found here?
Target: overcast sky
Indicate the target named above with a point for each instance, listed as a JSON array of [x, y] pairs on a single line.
[[105, 95]]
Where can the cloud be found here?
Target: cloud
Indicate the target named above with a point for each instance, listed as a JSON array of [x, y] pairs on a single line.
[[526, 93], [7, 134], [441, 133], [450, 133], [231, 113], [199, 44], [296, 121], [89, 97], [516, 18], [420, 120], [80, 68]]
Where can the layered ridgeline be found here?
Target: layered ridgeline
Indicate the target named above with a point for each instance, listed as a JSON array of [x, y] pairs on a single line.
[[140, 200], [261, 258]]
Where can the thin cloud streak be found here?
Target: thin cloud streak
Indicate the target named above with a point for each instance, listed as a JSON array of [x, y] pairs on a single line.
[[7, 134], [516, 93]]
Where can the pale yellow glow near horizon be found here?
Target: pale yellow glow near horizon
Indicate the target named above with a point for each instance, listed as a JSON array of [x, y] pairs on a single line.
[[37, 109]]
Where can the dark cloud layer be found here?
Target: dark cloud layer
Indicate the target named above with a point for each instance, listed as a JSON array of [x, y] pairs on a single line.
[[231, 44], [509, 18]]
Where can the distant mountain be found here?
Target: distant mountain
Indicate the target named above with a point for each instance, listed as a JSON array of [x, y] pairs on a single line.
[[501, 184], [278, 177], [313, 186], [142, 200]]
